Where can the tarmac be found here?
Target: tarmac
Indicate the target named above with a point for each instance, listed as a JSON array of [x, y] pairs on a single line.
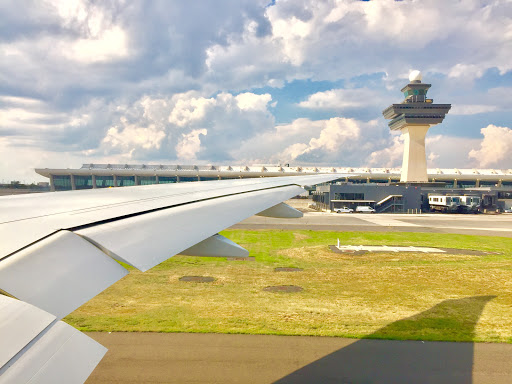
[[484, 225], [219, 358]]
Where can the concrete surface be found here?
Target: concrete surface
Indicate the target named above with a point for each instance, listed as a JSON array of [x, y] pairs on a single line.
[[485, 225], [216, 358]]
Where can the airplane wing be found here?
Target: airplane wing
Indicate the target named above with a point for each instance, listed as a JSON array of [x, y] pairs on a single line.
[[58, 250]]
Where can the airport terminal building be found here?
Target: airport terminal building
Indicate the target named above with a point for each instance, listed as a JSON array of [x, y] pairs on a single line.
[[118, 175], [377, 187], [386, 189]]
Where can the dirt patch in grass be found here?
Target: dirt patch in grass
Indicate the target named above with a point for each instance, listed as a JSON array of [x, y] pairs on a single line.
[[287, 269], [283, 288], [300, 236], [197, 279]]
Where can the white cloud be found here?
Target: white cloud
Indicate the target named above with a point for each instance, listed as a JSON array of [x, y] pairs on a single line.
[[187, 126], [250, 101], [495, 148], [189, 144], [306, 141], [465, 72], [97, 38], [189, 110], [338, 39], [131, 136], [292, 152], [445, 151], [336, 132], [20, 101], [110, 45], [291, 31], [70, 10], [28, 121], [461, 109], [390, 156], [336, 99]]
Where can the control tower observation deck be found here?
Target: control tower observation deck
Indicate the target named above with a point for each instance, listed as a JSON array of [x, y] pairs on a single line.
[[413, 117]]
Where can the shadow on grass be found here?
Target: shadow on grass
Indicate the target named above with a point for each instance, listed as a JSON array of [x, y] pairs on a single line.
[[394, 361]]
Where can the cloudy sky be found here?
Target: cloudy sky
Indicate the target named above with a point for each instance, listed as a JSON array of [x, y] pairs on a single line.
[[248, 81]]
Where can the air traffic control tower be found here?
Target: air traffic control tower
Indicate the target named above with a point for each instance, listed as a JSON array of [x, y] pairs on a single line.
[[413, 117]]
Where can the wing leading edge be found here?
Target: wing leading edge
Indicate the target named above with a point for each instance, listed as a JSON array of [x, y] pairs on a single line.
[[59, 251]]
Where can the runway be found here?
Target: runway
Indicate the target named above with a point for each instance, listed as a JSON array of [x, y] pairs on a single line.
[[485, 225], [261, 359]]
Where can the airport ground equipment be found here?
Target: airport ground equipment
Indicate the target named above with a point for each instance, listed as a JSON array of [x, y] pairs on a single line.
[[449, 203]]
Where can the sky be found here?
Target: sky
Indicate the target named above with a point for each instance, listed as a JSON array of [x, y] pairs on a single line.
[[235, 82]]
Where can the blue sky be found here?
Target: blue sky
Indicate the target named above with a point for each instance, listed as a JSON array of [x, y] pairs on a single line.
[[244, 82]]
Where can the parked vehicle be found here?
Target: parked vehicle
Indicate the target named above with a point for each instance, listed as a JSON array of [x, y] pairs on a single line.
[[460, 204], [509, 210], [469, 204], [444, 203], [364, 209], [344, 210]]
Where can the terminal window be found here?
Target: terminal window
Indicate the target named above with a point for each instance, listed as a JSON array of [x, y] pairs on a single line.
[[62, 182], [504, 195], [166, 180], [349, 196], [125, 181]]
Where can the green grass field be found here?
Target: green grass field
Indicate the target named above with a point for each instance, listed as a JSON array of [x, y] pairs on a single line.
[[455, 297]]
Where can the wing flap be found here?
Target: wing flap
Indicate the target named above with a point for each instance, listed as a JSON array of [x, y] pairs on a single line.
[[146, 240], [59, 354], [59, 273], [20, 323]]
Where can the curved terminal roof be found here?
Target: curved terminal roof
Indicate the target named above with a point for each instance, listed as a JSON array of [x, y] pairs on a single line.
[[263, 170]]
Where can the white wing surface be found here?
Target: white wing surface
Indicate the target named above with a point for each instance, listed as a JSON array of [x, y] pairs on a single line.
[[58, 250]]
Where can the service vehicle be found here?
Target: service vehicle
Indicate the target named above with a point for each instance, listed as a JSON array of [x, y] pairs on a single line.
[[344, 210], [453, 204], [444, 203], [364, 209]]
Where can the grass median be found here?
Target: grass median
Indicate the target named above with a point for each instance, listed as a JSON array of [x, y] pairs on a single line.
[[453, 297]]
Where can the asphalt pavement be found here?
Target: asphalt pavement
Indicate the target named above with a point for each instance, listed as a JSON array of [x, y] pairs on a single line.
[[485, 225], [261, 359]]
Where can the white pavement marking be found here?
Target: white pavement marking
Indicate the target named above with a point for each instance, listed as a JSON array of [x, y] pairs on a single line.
[[384, 221], [384, 248], [496, 229]]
